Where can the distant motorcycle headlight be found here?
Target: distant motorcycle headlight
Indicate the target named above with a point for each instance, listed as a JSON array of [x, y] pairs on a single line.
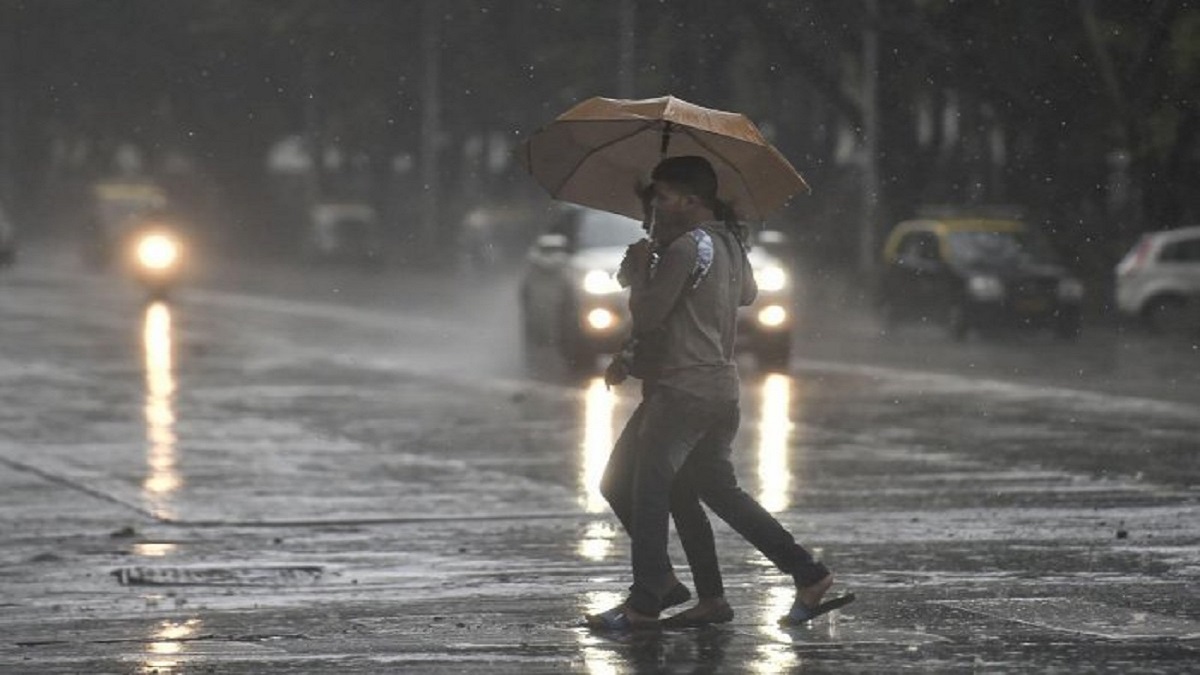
[[771, 278], [599, 282], [1070, 290], [157, 251], [985, 288]]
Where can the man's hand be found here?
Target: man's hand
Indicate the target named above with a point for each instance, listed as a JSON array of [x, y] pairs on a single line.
[[617, 371], [636, 262]]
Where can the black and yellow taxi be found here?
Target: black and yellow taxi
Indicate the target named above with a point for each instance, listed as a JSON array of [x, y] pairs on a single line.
[[972, 273]]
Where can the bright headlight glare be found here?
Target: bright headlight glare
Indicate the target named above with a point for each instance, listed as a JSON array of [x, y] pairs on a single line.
[[772, 316], [986, 288], [157, 251], [1070, 289], [601, 319], [599, 282], [771, 278]]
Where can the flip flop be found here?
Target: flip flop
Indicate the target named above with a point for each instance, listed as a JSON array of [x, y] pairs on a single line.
[[685, 620], [616, 620], [801, 613]]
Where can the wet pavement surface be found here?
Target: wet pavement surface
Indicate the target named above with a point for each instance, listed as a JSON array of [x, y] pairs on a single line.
[[339, 472]]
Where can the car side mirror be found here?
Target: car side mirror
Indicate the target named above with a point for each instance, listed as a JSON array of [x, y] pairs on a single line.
[[552, 243]]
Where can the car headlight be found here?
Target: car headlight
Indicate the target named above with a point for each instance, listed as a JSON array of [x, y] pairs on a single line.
[[599, 282], [601, 319], [771, 278], [772, 316], [985, 288], [1070, 290], [157, 251]]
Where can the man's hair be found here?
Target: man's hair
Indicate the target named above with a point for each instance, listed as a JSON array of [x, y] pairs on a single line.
[[690, 173], [695, 175]]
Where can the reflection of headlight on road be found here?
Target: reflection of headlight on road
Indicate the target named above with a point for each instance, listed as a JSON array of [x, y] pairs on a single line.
[[770, 278], [1070, 290], [157, 251], [599, 282], [601, 319], [985, 288], [772, 316]]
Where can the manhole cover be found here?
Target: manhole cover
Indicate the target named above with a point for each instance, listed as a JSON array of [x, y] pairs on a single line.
[[241, 575]]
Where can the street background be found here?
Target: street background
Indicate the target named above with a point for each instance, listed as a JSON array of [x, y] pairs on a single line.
[[297, 465], [332, 470], [1082, 115]]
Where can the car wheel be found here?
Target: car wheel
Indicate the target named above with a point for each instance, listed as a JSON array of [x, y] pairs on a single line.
[[1068, 328], [958, 323], [1166, 315], [530, 335], [577, 355], [889, 319]]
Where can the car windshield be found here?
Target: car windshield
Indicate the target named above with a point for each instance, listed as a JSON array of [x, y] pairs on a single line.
[[121, 211], [998, 248], [598, 229]]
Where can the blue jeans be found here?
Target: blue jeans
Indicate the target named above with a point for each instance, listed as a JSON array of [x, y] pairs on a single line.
[[674, 453]]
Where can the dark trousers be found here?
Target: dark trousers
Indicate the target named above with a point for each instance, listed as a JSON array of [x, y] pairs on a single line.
[[674, 453]]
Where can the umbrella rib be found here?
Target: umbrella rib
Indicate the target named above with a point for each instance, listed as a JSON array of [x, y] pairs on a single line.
[[571, 174]]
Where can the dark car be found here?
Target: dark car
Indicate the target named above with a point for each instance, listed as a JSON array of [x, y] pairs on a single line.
[[569, 296], [343, 233], [976, 274]]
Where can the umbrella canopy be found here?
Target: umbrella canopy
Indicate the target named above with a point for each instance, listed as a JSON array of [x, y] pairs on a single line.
[[599, 152]]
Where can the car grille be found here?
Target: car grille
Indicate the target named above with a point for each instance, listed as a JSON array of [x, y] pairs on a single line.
[[1035, 288], [1033, 296]]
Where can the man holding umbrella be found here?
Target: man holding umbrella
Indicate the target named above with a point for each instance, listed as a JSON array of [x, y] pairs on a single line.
[[685, 289], [690, 411]]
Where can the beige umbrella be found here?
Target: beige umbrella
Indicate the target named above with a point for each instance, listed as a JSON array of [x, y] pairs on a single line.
[[599, 152]]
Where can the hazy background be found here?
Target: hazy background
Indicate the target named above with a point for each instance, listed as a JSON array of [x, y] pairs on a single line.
[[1083, 113]]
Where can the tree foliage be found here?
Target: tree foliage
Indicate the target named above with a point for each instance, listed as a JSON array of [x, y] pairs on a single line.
[[1082, 111]]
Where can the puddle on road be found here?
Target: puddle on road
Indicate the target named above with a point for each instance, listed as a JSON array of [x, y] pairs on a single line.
[[1082, 617]]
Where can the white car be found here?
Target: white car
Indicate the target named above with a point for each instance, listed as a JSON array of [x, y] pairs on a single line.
[[570, 299], [1158, 280]]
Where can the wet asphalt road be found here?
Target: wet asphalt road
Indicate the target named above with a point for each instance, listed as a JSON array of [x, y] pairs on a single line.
[[341, 472]]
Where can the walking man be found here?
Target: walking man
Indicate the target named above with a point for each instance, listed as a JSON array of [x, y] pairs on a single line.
[[685, 290]]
